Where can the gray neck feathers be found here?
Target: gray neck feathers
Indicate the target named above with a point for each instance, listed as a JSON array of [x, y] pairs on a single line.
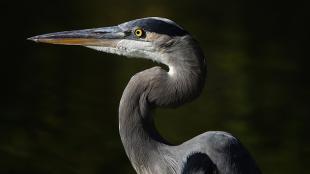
[[156, 88]]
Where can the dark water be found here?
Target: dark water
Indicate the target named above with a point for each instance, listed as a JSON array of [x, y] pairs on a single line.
[[59, 104]]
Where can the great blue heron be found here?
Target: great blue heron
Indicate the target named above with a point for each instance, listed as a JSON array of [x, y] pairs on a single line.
[[163, 41]]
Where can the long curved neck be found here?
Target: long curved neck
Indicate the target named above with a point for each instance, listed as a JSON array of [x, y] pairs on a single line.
[[147, 90]]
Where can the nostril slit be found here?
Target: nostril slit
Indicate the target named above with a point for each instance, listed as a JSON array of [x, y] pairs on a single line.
[[100, 32], [127, 33]]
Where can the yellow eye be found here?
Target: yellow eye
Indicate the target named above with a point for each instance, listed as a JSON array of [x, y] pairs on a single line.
[[139, 32]]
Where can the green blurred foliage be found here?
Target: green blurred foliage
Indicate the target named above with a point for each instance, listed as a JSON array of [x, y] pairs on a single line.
[[59, 104]]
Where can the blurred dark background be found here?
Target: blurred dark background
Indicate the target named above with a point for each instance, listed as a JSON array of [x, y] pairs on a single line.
[[59, 104]]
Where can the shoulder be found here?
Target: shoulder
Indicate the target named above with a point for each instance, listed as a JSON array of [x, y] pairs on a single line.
[[214, 139], [223, 150], [227, 153], [215, 144], [219, 140]]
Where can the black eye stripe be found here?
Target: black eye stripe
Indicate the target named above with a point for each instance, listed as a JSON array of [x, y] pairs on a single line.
[[158, 26]]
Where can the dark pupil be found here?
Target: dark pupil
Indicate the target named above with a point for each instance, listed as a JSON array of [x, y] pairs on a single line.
[[138, 32]]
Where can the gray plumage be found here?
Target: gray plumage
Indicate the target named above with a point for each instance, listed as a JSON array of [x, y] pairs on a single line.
[[163, 41]]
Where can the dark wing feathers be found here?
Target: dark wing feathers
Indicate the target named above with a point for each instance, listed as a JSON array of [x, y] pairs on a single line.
[[199, 163], [224, 155]]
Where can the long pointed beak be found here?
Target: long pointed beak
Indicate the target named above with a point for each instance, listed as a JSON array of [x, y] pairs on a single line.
[[107, 37]]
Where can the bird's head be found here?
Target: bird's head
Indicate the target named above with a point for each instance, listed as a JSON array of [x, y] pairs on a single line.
[[151, 38], [157, 39]]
